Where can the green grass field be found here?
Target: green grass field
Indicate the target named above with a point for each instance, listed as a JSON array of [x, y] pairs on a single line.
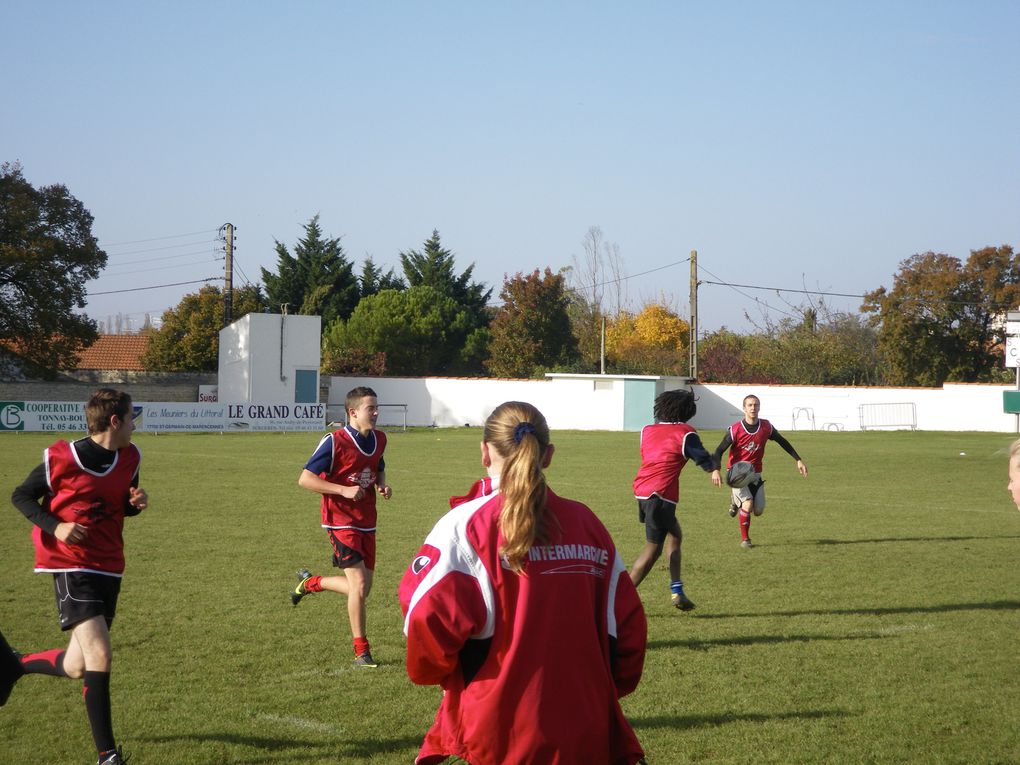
[[875, 622]]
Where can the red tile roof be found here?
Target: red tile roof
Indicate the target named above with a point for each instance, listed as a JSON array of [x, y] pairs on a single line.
[[115, 352]]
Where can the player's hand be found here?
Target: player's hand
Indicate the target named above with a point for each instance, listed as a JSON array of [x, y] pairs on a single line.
[[386, 491], [353, 492], [71, 533], [716, 478], [137, 498], [801, 468]]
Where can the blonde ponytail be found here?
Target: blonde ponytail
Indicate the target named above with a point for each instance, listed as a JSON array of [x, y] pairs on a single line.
[[519, 433]]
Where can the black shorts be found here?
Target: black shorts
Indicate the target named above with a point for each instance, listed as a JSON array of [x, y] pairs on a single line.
[[82, 595], [351, 547], [658, 515]]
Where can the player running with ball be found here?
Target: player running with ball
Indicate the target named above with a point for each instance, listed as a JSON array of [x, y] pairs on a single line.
[[746, 441]]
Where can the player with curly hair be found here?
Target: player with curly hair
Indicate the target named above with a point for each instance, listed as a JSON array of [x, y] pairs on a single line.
[[666, 446]]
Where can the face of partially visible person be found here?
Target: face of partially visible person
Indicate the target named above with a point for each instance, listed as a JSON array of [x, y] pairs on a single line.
[[751, 407], [364, 415], [125, 427], [1014, 480]]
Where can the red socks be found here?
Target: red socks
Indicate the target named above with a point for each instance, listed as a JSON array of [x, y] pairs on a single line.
[[314, 584], [745, 524], [45, 663], [360, 646]]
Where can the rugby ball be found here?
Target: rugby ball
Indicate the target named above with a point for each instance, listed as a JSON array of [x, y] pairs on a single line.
[[740, 475]]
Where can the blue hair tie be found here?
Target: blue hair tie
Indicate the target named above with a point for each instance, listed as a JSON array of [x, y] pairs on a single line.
[[521, 429]]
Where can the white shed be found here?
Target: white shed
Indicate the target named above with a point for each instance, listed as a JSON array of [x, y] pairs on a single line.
[[270, 357]]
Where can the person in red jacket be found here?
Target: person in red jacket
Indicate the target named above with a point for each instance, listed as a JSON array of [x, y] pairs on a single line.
[[347, 469], [1013, 486], [746, 441], [520, 607], [86, 488]]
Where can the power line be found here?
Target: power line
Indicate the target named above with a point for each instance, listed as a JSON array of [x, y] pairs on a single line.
[[157, 286], [627, 278], [781, 289], [905, 299], [159, 238], [166, 257], [744, 294], [205, 261], [207, 243]]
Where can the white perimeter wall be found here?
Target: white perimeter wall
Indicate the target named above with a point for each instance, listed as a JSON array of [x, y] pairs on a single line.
[[448, 402], [597, 403]]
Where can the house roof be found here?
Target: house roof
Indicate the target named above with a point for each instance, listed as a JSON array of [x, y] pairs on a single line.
[[115, 352]]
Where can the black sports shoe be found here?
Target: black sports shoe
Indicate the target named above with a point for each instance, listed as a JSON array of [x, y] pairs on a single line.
[[681, 601], [299, 592], [10, 670], [365, 660], [113, 758], [733, 510]]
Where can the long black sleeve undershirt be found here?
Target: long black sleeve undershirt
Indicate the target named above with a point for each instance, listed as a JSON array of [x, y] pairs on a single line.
[[26, 497], [695, 450]]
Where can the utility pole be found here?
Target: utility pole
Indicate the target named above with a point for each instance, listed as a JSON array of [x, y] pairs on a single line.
[[227, 231], [694, 315], [602, 349]]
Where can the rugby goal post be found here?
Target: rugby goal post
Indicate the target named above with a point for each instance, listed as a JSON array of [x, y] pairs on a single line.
[[888, 416]]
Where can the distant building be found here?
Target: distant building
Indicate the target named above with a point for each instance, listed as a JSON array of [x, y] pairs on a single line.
[[114, 352]]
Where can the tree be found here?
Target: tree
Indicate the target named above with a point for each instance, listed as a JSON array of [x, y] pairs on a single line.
[[823, 348], [600, 266], [655, 341], [47, 254], [941, 319], [531, 330], [373, 280], [435, 267], [189, 338], [420, 330], [721, 357], [318, 280]]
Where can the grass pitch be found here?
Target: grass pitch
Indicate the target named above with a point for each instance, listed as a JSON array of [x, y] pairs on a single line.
[[876, 621]]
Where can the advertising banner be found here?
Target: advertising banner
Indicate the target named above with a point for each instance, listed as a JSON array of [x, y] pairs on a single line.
[[168, 417], [38, 416], [275, 416]]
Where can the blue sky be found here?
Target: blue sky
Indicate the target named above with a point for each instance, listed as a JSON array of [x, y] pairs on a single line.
[[792, 144]]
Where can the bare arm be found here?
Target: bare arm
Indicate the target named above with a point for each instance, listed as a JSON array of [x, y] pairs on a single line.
[[308, 480]]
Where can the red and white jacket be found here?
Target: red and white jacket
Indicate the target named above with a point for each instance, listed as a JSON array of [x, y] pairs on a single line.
[[532, 665], [747, 446], [96, 500]]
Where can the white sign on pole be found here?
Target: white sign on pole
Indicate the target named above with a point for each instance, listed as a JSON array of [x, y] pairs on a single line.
[[1012, 351]]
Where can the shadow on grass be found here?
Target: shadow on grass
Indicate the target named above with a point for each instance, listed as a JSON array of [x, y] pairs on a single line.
[[285, 749], [883, 540], [704, 645], [701, 721], [995, 605]]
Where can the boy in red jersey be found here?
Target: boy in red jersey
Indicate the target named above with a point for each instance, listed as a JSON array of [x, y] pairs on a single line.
[[666, 447], [87, 488], [519, 606], [746, 441], [347, 469]]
